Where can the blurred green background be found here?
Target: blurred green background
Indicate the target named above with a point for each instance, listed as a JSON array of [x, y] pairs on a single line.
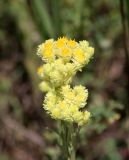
[[26, 131]]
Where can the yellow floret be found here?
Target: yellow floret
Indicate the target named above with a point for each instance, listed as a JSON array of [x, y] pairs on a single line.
[[69, 95], [48, 54], [61, 42], [62, 104], [79, 56], [73, 109], [90, 50], [40, 70], [56, 113], [84, 44], [72, 43], [86, 116], [77, 116], [65, 52], [48, 44], [44, 86]]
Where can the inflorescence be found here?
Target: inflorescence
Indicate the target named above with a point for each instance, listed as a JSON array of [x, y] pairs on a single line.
[[62, 59]]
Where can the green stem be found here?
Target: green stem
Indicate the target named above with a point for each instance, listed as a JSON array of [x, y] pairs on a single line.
[[68, 137], [73, 142]]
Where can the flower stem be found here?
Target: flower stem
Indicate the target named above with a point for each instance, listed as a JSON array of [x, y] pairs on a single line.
[[68, 137]]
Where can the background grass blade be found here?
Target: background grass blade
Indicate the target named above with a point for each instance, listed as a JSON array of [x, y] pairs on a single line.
[[45, 19], [56, 15], [127, 10]]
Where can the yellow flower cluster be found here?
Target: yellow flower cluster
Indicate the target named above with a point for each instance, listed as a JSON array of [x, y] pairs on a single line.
[[62, 59], [67, 50], [67, 103], [57, 73]]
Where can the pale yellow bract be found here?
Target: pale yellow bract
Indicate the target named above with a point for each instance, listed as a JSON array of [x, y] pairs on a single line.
[[62, 59]]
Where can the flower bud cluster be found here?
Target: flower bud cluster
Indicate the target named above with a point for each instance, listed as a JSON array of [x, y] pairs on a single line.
[[62, 59]]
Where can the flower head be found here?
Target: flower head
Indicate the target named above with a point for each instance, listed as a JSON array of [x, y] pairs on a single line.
[[62, 59], [68, 104], [52, 50]]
